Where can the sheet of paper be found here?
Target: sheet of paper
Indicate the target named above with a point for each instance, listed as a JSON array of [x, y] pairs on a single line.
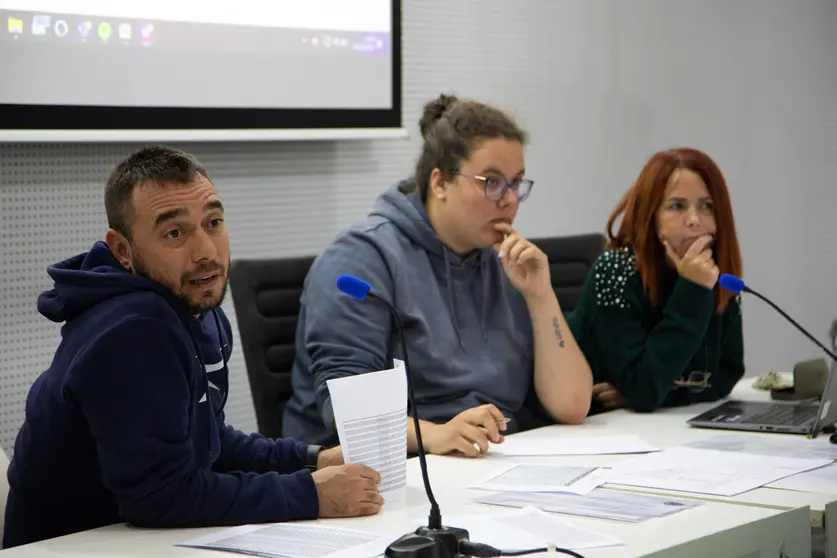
[[544, 478], [722, 473], [371, 413], [291, 540], [525, 529], [523, 446], [557, 531], [775, 446], [822, 480], [601, 504]]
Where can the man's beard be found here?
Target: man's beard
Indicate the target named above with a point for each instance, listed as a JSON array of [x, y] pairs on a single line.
[[194, 307]]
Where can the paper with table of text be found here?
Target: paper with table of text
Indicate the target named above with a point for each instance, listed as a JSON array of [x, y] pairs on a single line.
[[600, 504], [290, 540], [371, 413], [544, 478], [703, 471]]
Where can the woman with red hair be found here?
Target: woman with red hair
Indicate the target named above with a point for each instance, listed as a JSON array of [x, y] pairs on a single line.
[[653, 322]]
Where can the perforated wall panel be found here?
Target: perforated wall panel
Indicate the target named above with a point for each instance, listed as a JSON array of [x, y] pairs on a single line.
[[599, 84]]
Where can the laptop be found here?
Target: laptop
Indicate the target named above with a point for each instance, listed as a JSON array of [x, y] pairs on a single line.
[[768, 416]]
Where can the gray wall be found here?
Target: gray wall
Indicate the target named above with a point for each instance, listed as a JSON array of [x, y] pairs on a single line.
[[600, 84]]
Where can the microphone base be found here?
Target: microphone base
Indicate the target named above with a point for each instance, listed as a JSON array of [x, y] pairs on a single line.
[[428, 543]]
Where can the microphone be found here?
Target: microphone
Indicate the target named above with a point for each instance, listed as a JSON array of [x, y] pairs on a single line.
[[433, 541], [736, 285]]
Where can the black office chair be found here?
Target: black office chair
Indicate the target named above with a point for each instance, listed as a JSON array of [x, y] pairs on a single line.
[[266, 295], [570, 260]]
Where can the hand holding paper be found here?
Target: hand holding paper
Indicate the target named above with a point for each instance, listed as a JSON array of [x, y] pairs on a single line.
[[370, 411]]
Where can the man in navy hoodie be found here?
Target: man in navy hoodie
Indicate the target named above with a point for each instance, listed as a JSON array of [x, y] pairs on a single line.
[[127, 424]]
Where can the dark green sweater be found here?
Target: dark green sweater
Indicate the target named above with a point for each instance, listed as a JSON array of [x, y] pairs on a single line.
[[644, 350]]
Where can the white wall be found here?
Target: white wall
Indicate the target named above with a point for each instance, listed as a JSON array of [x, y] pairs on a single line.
[[600, 84]]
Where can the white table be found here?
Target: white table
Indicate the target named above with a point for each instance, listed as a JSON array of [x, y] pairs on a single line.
[[714, 529], [760, 523], [668, 428]]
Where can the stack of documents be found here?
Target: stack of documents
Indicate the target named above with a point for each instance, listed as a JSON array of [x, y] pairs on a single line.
[[601, 504], [289, 540], [822, 480], [708, 471]]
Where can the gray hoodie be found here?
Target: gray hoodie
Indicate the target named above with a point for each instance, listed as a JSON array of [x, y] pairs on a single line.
[[467, 328]]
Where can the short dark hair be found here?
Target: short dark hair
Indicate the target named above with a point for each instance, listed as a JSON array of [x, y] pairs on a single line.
[[452, 129], [158, 165]]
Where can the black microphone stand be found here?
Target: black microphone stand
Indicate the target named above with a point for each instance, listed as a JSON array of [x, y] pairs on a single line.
[[434, 540], [791, 320]]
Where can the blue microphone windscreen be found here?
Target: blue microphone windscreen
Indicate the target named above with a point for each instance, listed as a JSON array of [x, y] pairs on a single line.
[[353, 286], [731, 283]]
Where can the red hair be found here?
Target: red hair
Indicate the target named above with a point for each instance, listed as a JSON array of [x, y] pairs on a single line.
[[639, 206]]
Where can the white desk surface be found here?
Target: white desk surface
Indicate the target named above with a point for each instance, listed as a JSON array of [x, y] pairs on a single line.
[[673, 430], [760, 522], [714, 529], [667, 428]]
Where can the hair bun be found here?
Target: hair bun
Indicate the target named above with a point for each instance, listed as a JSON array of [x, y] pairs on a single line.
[[434, 110]]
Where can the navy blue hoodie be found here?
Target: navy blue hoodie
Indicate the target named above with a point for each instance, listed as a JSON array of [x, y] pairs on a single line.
[[127, 424]]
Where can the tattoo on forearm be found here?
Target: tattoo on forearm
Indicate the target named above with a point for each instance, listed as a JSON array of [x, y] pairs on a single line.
[[556, 325]]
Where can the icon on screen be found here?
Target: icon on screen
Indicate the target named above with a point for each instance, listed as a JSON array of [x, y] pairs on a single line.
[[146, 31], [61, 28], [84, 29], [15, 25], [125, 31], [104, 30], [40, 24]]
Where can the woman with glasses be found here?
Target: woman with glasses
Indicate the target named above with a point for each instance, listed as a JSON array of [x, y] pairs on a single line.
[[653, 322], [482, 323]]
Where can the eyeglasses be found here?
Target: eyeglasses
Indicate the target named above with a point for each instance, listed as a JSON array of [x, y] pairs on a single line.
[[495, 187]]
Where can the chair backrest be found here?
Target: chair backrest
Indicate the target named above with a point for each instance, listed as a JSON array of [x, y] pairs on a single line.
[[266, 294], [570, 260]]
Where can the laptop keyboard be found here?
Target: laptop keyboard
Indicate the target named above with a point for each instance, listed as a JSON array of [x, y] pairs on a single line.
[[784, 415]]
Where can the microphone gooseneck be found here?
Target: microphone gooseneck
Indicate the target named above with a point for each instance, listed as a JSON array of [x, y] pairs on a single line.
[[736, 285], [435, 518], [360, 290]]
